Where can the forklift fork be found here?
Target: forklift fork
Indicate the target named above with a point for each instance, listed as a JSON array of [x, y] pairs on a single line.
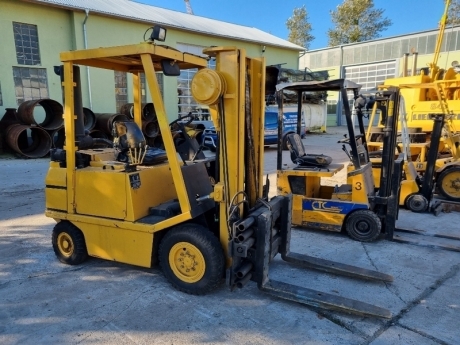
[[272, 236]]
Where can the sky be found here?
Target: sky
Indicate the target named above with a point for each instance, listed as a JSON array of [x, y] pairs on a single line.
[[408, 16]]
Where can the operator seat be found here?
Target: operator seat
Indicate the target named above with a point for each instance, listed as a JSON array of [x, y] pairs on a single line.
[[132, 147], [301, 158]]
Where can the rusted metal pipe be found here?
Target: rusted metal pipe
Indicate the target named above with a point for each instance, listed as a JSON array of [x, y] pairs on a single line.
[[29, 141], [95, 133], [150, 128], [57, 138], [105, 121], [89, 119], [29, 112], [148, 111], [155, 142]]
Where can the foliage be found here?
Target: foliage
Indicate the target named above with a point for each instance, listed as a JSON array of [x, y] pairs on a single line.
[[356, 21], [453, 16], [299, 28]]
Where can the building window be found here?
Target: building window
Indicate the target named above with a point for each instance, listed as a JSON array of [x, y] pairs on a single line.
[[26, 41], [369, 76], [186, 102], [121, 94], [30, 83]]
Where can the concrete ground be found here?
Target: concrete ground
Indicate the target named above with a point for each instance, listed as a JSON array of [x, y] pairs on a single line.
[[99, 302]]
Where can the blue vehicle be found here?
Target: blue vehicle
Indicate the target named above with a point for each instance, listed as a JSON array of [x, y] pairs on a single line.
[[271, 128]]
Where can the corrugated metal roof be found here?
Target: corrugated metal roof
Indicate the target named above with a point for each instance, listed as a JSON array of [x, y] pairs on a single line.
[[140, 12]]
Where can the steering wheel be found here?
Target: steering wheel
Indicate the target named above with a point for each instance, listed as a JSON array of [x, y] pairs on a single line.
[[173, 125], [347, 140]]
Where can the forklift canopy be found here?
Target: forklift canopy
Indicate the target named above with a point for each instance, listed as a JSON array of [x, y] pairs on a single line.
[[319, 85]]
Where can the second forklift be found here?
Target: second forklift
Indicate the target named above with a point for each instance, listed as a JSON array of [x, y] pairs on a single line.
[[354, 206]]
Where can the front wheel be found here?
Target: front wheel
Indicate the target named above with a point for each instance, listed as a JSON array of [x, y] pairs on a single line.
[[69, 243], [192, 259], [363, 225], [449, 183], [416, 203]]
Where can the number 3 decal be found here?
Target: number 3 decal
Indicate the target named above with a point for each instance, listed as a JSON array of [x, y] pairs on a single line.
[[358, 186]]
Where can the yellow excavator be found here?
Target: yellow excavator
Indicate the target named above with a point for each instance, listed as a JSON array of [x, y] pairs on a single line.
[[134, 204], [433, 92]]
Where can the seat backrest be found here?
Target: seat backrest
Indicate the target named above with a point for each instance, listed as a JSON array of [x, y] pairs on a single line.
[[295, 146], [127, 135]]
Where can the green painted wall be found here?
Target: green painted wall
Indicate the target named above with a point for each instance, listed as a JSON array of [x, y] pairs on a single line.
[[61, 30], [54, 30]]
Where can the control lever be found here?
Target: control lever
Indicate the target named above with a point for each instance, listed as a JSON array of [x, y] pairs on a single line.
[[346, 151]]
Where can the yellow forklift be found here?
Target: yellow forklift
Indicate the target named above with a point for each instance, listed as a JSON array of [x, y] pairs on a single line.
[[354, 206], [361, 207], [120, 204], [432, 166], [433, 92]]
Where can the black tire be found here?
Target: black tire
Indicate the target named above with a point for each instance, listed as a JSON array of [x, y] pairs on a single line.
[[363, 226], [69, 243], [449, 186], [285, 142], [416, 203], [198, 240]]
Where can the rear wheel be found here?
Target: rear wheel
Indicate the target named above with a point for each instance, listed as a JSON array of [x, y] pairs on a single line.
[[363, 225], [192, 259], [285, 142], [69, 243], [449, 183]]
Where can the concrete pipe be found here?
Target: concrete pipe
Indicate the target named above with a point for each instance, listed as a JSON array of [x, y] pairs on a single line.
[[148, 111], [57, 138], [45, 113], [150, 128], [31, 142], [105, 121], [89, 119]]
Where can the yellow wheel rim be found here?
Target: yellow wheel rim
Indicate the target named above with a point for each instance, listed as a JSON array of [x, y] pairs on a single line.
[[187, 262], [451, 183], [65, 244]]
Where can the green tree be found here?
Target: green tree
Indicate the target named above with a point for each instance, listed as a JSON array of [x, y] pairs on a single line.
[[299, 28], [453, 16], [356, 21]]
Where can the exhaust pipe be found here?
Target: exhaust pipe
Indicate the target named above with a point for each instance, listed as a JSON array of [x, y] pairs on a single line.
[[405, 64], [414, 63]]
